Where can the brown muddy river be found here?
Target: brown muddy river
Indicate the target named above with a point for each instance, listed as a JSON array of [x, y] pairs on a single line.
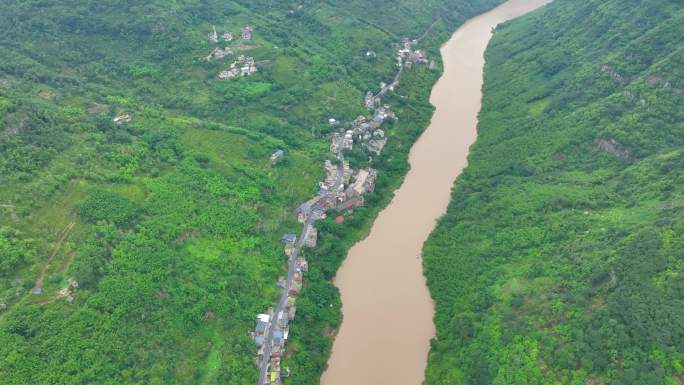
[[387, 327]]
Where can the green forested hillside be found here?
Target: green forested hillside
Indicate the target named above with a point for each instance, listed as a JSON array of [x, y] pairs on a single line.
[[155, 242], [561, 258]]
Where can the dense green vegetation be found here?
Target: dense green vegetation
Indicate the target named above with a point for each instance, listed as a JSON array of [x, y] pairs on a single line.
[[171, 223], [560, 260]]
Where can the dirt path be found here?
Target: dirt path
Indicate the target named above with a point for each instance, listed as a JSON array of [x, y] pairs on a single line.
[[58, 246]]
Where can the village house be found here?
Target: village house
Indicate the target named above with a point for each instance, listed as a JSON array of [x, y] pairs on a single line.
[[337, 143], [377, 143], [213, 36], [274, 378], [277, 156], [331, 174], [348, 142], [289, 248], [346, 172], [246, 33], [311, 236], [259, 340], [417, 57], [371, 101], [276, 352], [364, 183], [122, 119], [302, 265], [219, 53], [283, 321], [227, 36], [304, 210], [260, 328], [289, 238], [243, 66], [360, 124], [351, 203], [228, 74], [278, 337]]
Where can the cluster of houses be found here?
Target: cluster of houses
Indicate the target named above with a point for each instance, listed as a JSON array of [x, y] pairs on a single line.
[[364, 130], [245, 34], [243, 66], [219, 54], [277, 324], [343, 189], [408, 57], [68, 292]]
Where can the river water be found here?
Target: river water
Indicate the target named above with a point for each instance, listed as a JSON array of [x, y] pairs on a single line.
[[384, 338]]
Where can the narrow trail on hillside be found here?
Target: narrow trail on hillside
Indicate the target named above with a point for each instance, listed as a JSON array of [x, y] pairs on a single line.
[[58, 246]]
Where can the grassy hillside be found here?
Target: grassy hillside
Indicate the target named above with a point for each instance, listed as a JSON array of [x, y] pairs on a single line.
[[560, 260], [170, 223]]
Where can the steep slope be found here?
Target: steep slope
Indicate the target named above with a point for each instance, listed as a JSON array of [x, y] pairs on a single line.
[[560, 258], [156, 241]]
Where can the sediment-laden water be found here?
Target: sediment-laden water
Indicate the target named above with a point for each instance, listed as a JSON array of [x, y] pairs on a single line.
[[387, 327]]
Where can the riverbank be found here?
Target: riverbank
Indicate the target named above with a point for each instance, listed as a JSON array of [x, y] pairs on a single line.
[[557, 261], [318, 311], [386, 305]]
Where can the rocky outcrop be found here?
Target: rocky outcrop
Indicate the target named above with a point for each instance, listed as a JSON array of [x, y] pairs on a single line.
[[614, 148]]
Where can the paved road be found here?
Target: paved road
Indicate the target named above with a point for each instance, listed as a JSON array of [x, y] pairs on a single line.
[[291, 268]]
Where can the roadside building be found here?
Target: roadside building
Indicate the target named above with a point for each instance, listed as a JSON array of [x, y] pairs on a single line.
[[311, 237], [278, 338], [259, 340], [289, 238], [348, 141], [371, 101], [303, 211], [260, 328], [303, 264]]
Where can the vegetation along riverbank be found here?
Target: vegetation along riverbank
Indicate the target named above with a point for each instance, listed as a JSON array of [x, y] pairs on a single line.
[[141, 215], [560, 258]]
